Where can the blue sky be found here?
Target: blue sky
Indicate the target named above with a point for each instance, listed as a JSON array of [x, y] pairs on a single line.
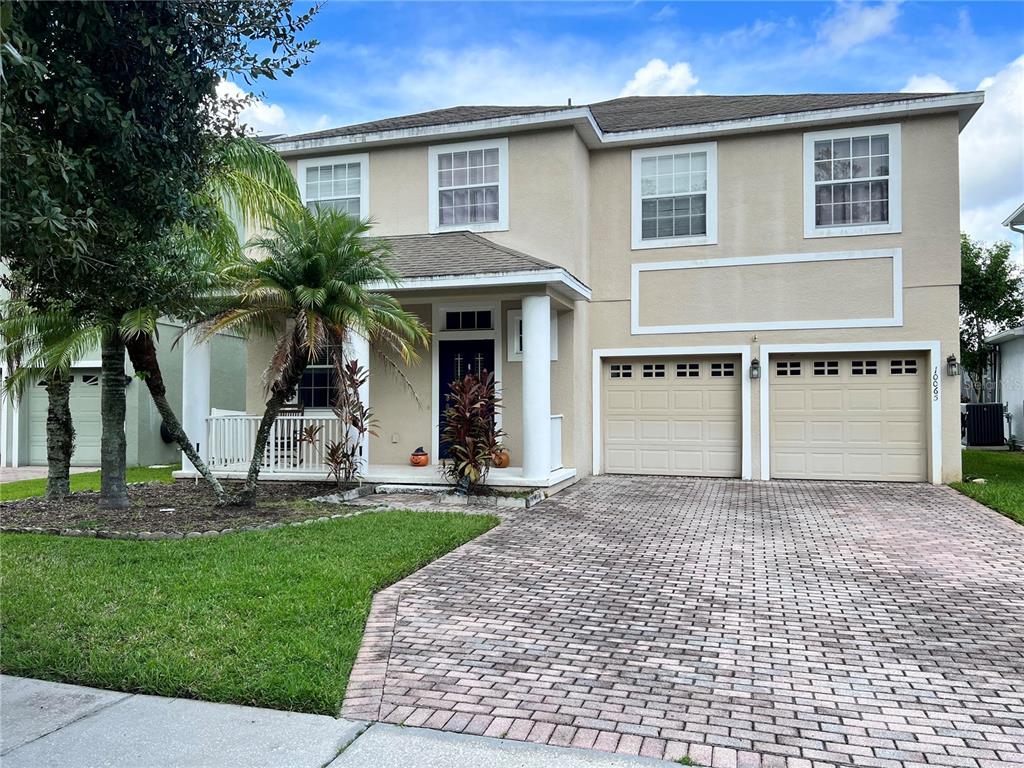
[[381, 59]]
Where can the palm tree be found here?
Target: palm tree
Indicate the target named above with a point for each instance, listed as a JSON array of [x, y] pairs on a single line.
[[310, 287]]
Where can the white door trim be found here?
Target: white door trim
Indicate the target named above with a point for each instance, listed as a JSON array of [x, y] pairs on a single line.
[[438, 335], [743, 350], [935, 387]]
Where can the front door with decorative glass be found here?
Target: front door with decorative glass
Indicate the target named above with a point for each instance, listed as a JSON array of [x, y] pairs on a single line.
[[456, 359]]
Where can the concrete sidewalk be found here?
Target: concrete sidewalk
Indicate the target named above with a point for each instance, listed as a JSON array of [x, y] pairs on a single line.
[[50, 724]]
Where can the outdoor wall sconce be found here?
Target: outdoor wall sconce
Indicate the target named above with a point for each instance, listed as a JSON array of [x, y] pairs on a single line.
[[755, 369], [952, 366]]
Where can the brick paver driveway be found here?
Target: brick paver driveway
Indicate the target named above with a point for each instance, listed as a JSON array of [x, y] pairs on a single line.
[[791, 624]]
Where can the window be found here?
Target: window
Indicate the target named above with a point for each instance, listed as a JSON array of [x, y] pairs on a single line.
[[90, 379], [469, 186], [318, 388], [722, 370], [515, 335], [654, 370], [621, 371], [468, 320], [852, 181], [687, 370], [864, 367], [675, 196], [826, 367], [902, 367], [787, 368], [339, 183]]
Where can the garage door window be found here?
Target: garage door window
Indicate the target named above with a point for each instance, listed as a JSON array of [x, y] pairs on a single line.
[[722, 370], [902, 367], [864, 367], [787, 368], [687, 370], [90, 379], [654, 370], [826, 367], [621, 371]]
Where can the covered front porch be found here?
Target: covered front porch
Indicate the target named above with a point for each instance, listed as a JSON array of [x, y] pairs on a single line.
[[517, 322]]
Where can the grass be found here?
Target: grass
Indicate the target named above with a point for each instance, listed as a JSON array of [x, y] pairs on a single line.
[[271, 619], [85, 481], [1004, 473]]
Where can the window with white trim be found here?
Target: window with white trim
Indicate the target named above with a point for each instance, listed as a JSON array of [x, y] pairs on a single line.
[[864, 367], [674, 196], [787, 368], [826, 367], [469, 186], [339, 183], [654, 370], [903, 367], [318, 387], [515, 335], [723, 370], [620, 371], [468, 320], [687, 370], [852, 181]]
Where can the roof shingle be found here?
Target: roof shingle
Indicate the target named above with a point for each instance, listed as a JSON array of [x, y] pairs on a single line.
[[449, 254]]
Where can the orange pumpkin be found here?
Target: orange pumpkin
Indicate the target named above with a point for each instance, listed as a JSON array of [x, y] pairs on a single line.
[[419, 458], [500, 459]]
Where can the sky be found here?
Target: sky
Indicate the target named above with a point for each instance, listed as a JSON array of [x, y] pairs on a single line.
[[382, 59]]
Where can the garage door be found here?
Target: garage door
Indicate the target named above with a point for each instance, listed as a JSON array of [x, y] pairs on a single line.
[[849, 417], [678, 416], [85, 412]]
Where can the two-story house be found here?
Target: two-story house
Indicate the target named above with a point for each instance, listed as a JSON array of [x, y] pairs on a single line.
[[731, 286]]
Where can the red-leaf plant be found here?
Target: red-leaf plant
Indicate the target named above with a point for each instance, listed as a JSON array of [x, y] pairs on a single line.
[[470, 432]]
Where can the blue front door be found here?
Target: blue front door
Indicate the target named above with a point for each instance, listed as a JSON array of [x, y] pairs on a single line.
[[456, 359]]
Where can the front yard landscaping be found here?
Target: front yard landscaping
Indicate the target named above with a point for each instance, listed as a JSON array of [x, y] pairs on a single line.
[[85, 481], [1003, 472], [269, 618]]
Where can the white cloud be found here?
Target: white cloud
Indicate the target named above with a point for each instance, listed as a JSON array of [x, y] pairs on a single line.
[[267, 118], [656, 78], [855, 23], [927, 84], [992, 157]]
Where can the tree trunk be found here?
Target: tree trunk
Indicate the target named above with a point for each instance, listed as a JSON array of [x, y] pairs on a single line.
[[280, 393], [113, 447], [142, 353], [60, 437]]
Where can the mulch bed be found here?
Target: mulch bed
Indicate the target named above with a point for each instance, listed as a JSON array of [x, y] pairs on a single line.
[[179, 507]]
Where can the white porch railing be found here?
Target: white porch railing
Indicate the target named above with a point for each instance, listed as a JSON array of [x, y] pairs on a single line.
[[556, 441], [230, 442]]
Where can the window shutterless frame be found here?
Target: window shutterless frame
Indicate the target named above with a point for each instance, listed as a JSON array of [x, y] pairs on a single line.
[[894, 178], [306, 165], [434, 187], [710, 236]]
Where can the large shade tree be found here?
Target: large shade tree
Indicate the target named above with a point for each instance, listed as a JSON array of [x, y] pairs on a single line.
[[314, 280], [120, 98]]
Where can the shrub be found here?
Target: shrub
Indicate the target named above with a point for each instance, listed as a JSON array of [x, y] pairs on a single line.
[[470, 433]]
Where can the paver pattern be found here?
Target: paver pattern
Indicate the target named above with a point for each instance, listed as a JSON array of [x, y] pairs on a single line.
[[783, 625]]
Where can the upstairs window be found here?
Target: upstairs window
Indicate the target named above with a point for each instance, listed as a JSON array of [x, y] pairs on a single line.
[[675, 196], [469, 186], [852, 181], [338, 183]]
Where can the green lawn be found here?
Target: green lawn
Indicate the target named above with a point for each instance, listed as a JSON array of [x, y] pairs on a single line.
[[1004, 471], [271, 619], [85, 481]]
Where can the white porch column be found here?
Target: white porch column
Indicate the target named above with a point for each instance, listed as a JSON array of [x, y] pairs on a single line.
[[359, 350], [195, 393], [536, 386]]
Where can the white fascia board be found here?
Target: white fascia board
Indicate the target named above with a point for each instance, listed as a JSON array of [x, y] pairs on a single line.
[[1003, 336], [560, 277], [583, 117], [1016, 218]]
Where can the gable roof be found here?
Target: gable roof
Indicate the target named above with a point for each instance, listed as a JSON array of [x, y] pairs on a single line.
[[640, 113]]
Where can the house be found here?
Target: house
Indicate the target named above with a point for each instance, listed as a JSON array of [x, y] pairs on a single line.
[[725, 286], [23, 422], [1006, 369]]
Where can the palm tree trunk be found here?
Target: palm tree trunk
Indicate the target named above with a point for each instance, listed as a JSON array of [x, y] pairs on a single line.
[[113, 446], [60, 437], [142, 353]]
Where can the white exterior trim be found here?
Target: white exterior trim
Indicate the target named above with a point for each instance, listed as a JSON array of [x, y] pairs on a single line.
[[433, 223], [743, 350], [711, 211], [515, 319], [559, 276], [592, 133], [895, 254], [437, 325], [935, 386], [895, 223], [364, 176]]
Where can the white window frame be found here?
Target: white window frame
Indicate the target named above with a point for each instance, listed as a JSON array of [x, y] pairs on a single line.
[[433, 212], [364, 176], [711, 207], [895, 223], [515, 335]]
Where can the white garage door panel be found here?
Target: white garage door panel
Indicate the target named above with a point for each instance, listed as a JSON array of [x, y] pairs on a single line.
[[869, 426], [672, 424], [85, 415]]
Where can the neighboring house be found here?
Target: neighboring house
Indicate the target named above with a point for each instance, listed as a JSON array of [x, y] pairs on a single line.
[[23, 423], [1006, 377], [729, 286]]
